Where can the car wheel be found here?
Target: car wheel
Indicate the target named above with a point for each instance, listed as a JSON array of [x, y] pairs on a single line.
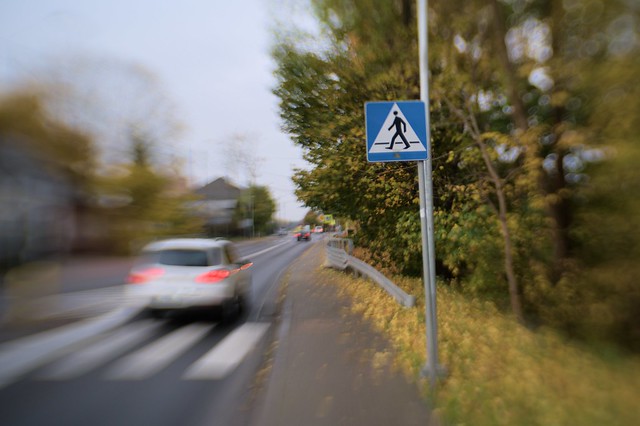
[[231, 310], [243, 304], [158, 313]]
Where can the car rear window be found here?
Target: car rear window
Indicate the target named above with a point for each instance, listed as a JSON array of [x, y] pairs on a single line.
[[183, 257]]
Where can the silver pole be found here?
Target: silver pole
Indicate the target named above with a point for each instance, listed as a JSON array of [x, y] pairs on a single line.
[[426, 207], [253, 214]]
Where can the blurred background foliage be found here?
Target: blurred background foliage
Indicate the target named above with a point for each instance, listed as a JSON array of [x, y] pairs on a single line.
[[61, 195], [69, 152], [534, 122], [90, 164], [256, 204]]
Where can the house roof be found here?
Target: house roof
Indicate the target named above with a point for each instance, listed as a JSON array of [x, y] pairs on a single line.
[[219, 189]]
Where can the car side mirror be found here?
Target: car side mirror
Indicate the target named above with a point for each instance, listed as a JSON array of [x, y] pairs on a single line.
[[245, 264]]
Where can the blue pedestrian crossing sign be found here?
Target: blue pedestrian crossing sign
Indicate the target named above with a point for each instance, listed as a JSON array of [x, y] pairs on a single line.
[[396, 131]]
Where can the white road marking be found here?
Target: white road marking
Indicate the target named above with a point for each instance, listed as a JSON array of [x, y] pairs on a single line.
[[21, 356], [228, 354], [113, 345], [77, 304], [156, 356], [256, 254]]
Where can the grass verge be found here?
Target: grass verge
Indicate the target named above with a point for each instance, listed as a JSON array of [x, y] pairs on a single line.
[[500, 373]]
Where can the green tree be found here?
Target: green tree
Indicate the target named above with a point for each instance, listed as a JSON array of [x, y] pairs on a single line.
[[534, 111], [322, 96], [310, 218], [256, 204], [68, 151], [144, 203], [566, 69]]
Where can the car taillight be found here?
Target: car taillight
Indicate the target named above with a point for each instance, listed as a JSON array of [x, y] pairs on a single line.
[[144, 275], [213, 276]]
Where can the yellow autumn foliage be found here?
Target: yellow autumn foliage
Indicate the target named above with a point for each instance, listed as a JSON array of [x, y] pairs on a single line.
[[499, 372]]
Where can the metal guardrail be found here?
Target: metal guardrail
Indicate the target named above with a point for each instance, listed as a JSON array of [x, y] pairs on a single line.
[[339, 257]]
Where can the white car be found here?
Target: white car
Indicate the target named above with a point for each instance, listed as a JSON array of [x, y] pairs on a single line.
[[191, 273]]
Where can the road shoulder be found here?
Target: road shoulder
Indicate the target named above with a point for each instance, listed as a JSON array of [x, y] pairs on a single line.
[[330, 366]]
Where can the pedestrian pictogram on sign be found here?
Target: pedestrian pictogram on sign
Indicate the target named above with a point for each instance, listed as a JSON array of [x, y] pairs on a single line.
[[396, 131]]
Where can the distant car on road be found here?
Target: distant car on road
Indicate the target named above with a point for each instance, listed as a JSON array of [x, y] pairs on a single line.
[[318, 230], [191, 274], [304, 233]]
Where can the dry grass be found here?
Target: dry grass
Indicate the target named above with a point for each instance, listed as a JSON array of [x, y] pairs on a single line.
[[500, 373]]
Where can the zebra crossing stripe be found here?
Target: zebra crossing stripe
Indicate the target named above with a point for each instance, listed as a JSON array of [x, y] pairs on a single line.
[[228, 354], [28, 353], [113, 345], [157, 355]]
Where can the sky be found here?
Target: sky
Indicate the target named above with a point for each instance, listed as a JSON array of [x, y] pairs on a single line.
[[211, 59]]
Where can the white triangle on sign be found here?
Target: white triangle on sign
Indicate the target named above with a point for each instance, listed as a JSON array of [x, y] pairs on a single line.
[[382, 142]]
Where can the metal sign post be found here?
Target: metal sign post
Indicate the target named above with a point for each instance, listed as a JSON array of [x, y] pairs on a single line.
[[399, 131], [426, 209]]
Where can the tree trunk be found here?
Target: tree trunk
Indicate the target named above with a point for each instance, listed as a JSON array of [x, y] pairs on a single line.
[[558, 209], [512, 280], [514, 291], [519, 115]]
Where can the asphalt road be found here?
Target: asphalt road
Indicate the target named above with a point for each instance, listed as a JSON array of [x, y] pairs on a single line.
[[176, 371]]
